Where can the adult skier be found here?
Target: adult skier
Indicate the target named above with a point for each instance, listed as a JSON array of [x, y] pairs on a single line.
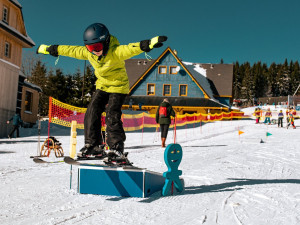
[[163, 117], [107, 57]]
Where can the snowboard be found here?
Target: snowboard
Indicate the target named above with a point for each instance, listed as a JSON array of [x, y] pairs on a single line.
[[103, 163], [39, 160]]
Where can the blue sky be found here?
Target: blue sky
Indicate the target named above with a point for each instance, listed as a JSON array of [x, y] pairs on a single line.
[[201, 31]]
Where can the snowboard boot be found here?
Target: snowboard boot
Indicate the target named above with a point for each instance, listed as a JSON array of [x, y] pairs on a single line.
[[116, 155], [163, 142], [91, 151]]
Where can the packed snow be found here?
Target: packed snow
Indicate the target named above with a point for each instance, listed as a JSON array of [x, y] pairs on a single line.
[[249, 178]]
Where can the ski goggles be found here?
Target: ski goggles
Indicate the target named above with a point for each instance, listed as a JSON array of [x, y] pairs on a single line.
[[97, 47]]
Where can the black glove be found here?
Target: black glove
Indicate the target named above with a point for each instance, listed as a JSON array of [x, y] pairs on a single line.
[[46, 49], [156, 42]]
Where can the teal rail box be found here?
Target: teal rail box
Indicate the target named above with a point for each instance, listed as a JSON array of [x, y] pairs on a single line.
[[118, 181]]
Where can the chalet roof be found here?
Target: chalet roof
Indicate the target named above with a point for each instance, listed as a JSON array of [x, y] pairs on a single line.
[[200, 75], [222, 77], [215, 79], [15, 32], [32, 86], [174, 101], [135, 68]]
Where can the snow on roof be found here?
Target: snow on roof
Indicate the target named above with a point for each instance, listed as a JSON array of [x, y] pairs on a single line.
[[34, 86], [15, 31], [16, 3], [197, 68]]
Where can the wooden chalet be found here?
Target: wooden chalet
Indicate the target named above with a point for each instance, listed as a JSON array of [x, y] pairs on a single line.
[[13, 38], [190, 87]]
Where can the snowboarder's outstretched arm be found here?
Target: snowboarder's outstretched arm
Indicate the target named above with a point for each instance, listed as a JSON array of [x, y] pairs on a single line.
[[123, 52], [77, 52]]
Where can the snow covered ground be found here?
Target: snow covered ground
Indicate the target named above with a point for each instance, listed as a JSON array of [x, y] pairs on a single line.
[[229, 179]]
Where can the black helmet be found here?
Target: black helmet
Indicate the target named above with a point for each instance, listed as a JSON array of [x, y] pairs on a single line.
[[97, 33]]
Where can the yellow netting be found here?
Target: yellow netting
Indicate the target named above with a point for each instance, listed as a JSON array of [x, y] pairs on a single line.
[[63, 114]]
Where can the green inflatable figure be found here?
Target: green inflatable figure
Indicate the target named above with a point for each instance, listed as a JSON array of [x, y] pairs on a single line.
[[172, 156]]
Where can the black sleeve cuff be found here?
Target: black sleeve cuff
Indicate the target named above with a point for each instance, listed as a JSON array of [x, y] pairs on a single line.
[[53, 50], [144, 45]]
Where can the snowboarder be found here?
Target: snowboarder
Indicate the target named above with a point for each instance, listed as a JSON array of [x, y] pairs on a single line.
[[280, 118], [16, 123], [163, 117], [107, 56]]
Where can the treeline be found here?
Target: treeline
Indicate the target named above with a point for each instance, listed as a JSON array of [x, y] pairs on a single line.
[[249, 81], [73, 89], [259, 80]]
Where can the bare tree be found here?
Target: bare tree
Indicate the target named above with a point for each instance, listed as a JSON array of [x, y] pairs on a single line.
[[29, 60]]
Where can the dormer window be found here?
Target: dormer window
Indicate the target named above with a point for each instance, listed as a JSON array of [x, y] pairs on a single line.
[[173, 70], [162, 70], [5, 14]]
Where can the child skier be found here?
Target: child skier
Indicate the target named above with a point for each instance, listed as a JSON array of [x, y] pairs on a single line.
[[107, 57], [287, 113], [291, 121], [163, 117], [268, 116], [257, 114], [280, 118]]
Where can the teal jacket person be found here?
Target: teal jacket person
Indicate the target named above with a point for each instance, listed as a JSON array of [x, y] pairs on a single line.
[[16, 119]]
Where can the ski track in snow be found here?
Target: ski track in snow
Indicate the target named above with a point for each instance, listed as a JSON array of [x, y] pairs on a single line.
[[229, 179]]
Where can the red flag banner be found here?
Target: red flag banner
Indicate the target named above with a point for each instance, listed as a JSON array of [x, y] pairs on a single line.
[[63, 114]]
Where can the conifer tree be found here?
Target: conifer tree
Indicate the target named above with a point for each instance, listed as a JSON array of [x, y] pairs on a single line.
[[39, 78]]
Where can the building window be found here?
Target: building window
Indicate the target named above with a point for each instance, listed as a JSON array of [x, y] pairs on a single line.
[[167, 90], [182, 90], [162, 70], [5, 14], [7, 50], [151, 89], [173, 70], [28, 101]]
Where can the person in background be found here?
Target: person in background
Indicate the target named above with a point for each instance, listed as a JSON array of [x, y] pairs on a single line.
[[163, 117], [16, 123], [257, 115], [287, 113], [291, 121], [293, 111], [268, 116], [280, 118]]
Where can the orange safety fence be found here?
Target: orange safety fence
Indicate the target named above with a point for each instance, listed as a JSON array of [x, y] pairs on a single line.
[[63, 114]]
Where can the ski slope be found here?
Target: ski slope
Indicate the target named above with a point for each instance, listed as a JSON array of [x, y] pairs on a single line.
[[229, 179]]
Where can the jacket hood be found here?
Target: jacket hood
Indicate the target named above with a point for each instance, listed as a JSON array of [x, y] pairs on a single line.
[[114, 42]]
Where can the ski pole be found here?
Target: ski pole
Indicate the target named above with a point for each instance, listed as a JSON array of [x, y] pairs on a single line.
[[71, 177]]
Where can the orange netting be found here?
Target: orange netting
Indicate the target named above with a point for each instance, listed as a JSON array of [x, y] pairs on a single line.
[[63, 114]]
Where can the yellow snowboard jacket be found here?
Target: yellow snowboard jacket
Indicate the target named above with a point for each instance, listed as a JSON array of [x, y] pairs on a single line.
[[110, 69]]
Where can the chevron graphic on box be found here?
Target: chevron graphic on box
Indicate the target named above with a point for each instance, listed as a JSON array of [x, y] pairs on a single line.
[[118, 181]]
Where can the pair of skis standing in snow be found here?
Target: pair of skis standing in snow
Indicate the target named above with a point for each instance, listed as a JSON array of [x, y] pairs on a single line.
[[107, 57]]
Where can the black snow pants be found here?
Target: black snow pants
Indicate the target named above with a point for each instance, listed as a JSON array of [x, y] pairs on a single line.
[[164, 130], [15, 128], [111, 103]]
